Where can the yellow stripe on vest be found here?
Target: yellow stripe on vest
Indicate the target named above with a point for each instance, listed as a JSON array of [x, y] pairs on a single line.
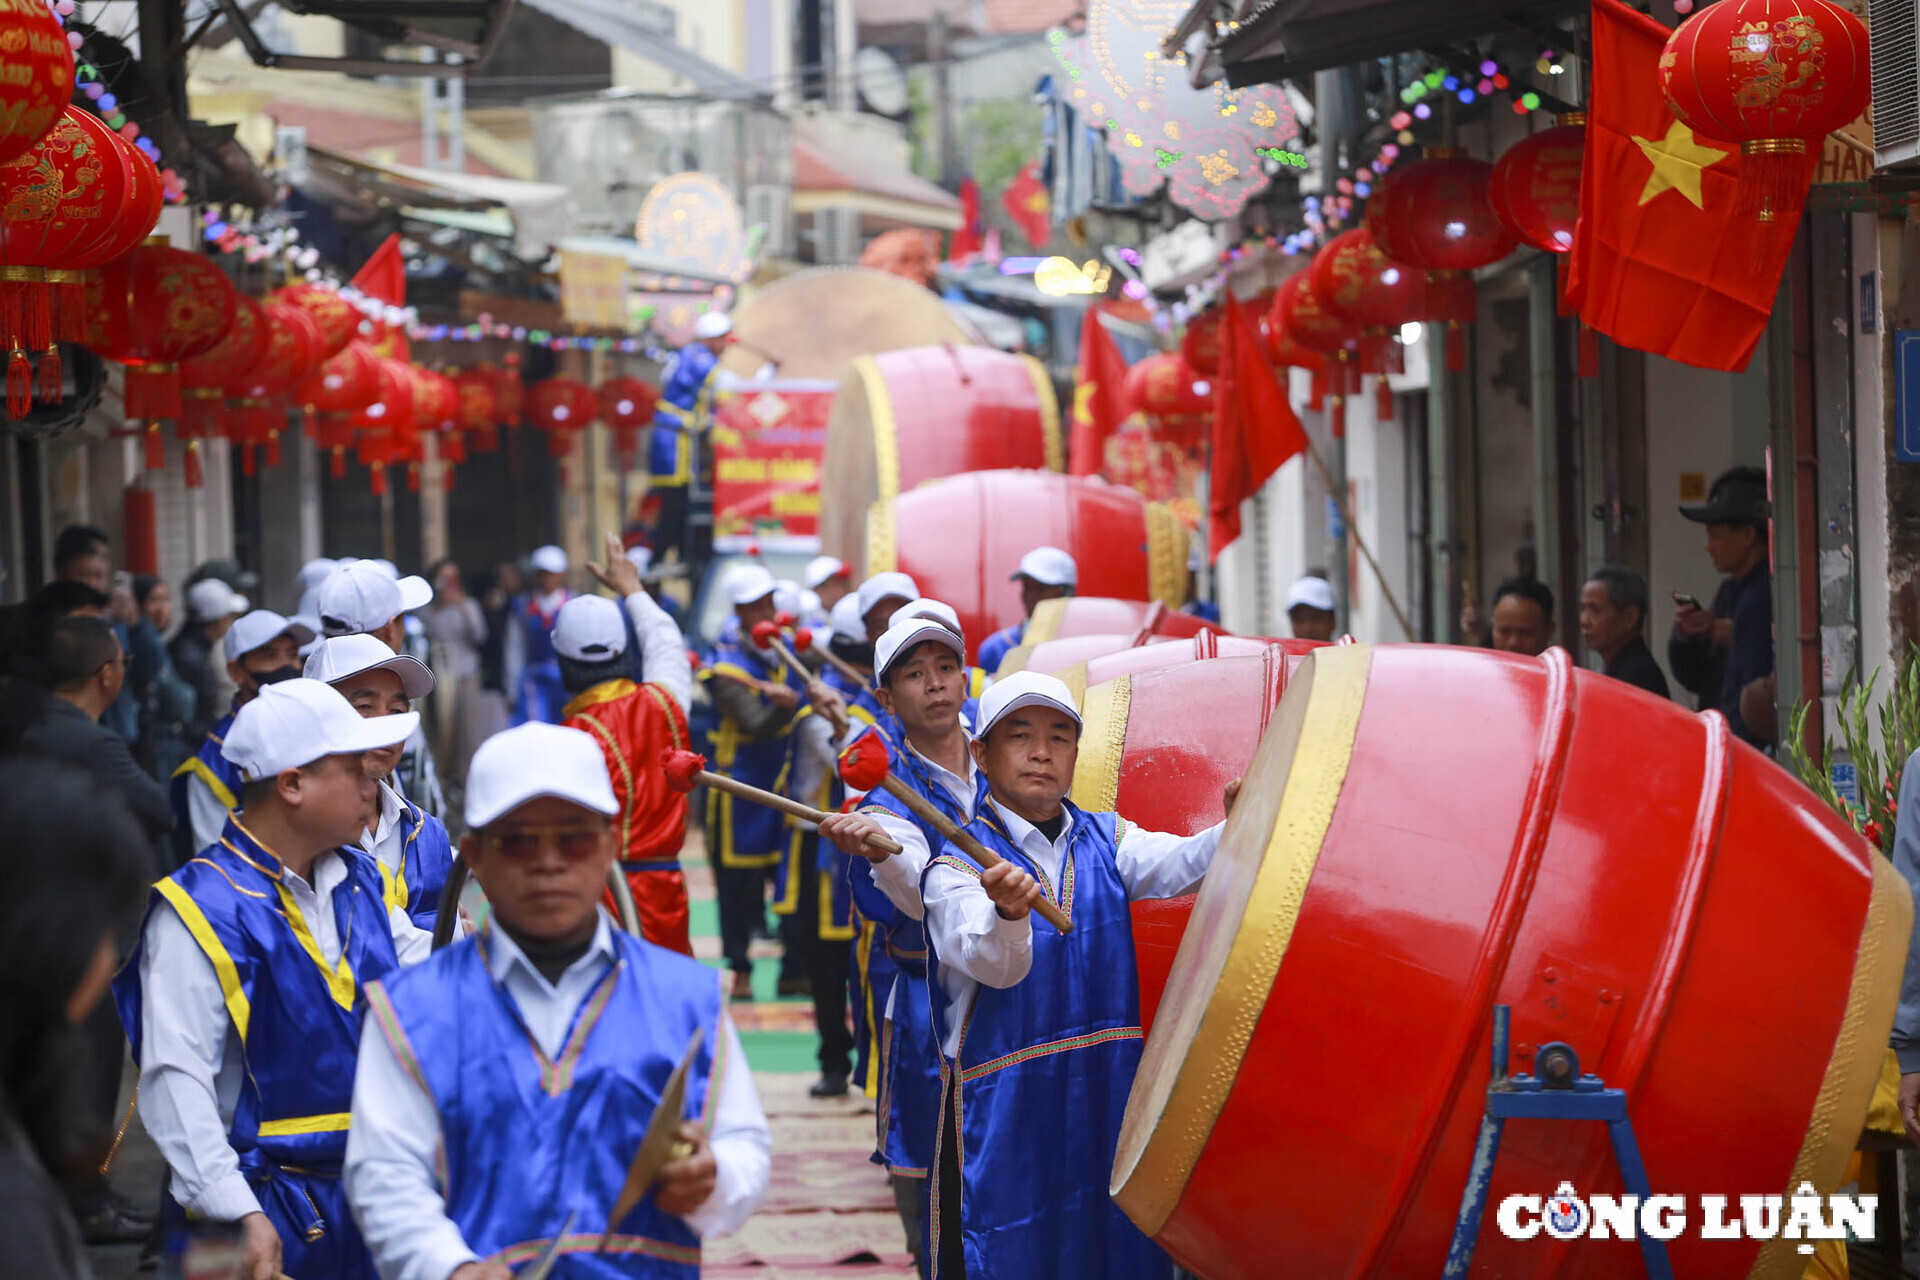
[[339, 978], [202, 770], [196, 921], [333, 1123]]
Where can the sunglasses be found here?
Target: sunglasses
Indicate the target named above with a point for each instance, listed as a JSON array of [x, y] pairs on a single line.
[[517, 844]]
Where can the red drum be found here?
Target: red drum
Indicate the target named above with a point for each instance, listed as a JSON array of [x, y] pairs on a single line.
[[1131, 622], [961, 537], [1065, 654], [1203, 647], [1426, 832], [1141, 754], [902, 418]]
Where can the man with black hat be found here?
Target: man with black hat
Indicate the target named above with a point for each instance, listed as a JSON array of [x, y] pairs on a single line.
[[1716, 653]]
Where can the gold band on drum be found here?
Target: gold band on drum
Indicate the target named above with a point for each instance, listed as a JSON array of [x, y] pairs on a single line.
[[883, 550], [1105, 710], [1043, 398]]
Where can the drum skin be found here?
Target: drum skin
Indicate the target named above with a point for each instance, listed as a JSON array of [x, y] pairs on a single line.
[[1140, 755], [961, 537], [1426, 832], [901, 418], [1135, 623]]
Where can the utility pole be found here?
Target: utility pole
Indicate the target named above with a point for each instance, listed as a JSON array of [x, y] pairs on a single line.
[[945, 141], [1331, 101]]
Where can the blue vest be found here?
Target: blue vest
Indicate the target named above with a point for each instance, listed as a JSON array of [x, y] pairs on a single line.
[[528, 1141], [682, 391], [833, 905], [540, 695], [426, 856], [1045, 1067], [221, 775], [994, 648], [744, 834]]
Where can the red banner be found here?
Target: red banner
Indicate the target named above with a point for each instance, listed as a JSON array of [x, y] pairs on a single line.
[[768, 442]]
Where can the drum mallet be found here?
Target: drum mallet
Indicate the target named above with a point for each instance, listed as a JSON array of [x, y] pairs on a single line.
[[766, 634], [867, 766], [803, 640], [686, 770]]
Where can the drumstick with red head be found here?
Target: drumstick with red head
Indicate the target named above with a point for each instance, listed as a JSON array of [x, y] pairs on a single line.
[[766, 634], [803, 640], [867, 766], [686, 770]]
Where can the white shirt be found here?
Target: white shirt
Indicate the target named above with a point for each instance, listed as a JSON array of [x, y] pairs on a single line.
[[206, 816], [190, 1059], [387, 840], [663, 650], [395, 1141], [977, 945]]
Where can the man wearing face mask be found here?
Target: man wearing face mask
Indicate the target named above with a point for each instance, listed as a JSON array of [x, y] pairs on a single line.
[[261, 648]]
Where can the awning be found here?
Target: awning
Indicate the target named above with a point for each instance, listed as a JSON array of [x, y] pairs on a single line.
[[539, 209], [874, 187], [646, 28], [682, 276]]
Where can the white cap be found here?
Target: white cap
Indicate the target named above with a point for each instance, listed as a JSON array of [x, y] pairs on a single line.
[[296, 722], [344, 657], [589, 629], [712, 324], [938, 610], [387, 567], [316, 571], [809, 604], [210, 599], [902, 636], [640, 557], [532, 761], [1312, 592], [787, 597], [749, 582], [822, 568], [1023, 689], [1048, 566], [364, 597], [260, 628], [882, 585], [847, 621], [549, 559]]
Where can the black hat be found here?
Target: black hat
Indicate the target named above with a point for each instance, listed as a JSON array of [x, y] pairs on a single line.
[[1739, 496]]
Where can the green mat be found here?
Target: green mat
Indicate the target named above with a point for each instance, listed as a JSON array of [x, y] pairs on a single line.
[[781, 1051]]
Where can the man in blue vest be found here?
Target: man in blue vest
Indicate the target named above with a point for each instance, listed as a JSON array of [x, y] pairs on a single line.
[[684, 410], [1045, 573], [505, 1085], [532, 667], [243, 999]]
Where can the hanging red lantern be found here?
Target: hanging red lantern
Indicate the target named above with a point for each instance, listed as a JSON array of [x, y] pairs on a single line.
[[385, 424], [1433, 214], [149, 311], [626, 405], [257, 399], [1201, 345], [560, 407], [1535, 187], [204, 379], [1346, 352], [139, 199], [509, 392], [1357, 283], [334, 392], [1775, 78], [339, 323], [36, 75], [1170, 393], [477, 412]]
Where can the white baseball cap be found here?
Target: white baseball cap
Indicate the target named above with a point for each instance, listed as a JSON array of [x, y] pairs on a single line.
[[260, 628], [344, 657], [1023, 689], [316, 571], [882, 585], [787, 597], [824, 568], [938, 610], [640, 557], [296, 722], [549, 559], [211, 599], [364, 597], [750, 582], [589, 629], [847, 621], [901, 638], [535, 760], [712, 324], [1311, 592], [1048, 566]]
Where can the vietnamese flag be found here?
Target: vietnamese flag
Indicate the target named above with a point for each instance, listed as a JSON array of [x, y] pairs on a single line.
[[1097, 403], [1660, 260], [1254, 428], [967, 239], [1028, 203]]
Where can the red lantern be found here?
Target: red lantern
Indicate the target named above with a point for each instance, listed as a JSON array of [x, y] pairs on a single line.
[[1201, 346], [149, 311], [36, 75], [1169, 392], [509, 392], [1434, 214], [1773, 77], [626, 405], [130, 222], [1535, 187], [257, 399], [386, 423], [204, 379], [478, 408], [1357, 283], [339, 322], [561, 407], [334, 392]]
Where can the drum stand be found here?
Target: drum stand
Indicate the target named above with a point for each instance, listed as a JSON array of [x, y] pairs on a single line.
[[1558, 1092]]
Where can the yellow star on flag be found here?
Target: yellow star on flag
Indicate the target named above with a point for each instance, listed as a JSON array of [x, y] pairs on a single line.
[[1083, 401], [1678, 161]]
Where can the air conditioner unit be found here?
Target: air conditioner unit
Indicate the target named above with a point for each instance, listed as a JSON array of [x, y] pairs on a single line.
[[836, 236], [766, 207], [1894, 27]]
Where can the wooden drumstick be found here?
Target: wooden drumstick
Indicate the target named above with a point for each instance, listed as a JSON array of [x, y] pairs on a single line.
[[686, 770], [803, 639], [767, 636], [867, 765]]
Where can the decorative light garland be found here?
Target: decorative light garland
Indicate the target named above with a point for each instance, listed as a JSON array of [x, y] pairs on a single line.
[[107, 107]]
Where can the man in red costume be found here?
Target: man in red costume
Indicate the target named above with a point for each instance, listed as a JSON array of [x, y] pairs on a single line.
[[636, 711]]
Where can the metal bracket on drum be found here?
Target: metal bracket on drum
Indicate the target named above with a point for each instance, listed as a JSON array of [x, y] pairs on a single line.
[[1558, 1091]]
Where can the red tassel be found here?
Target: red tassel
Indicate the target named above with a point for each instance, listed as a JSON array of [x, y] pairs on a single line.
[[1456, 347], [1564, 266], [50, 375], [486, 439], [337, 468], [156, 448], [153, 391], [246, 460], [1773, 179], [273, 447], [1337, 416], [69, 305], [19, 384], [1383, 401], [558, 445], [1589, 352], [203, 415], [378, 476], [1318, 399], [196, 474], [413, 477], [453, 448], [446, 479]]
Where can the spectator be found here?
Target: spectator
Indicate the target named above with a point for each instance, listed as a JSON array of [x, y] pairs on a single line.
[[25, 690], [1522, 617], [80, 555], [1716, 653], [211, 608], [166, 701], [1310, 608], [496, 606], [76, 878], [1613, 618], [456, 630]]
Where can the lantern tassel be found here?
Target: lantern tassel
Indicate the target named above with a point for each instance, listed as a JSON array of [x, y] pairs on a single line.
[[247, 461], [337, 466], [486, 439], [413, 477], [1456, 347], [50, 375], [156, 447], [377, 475], [1773, 179], [273, 447], [19, 384], [1589, 352], [195, 473], [1337, 416], [1318, 399], [1563, 269], [1383, 400], [446, 479]]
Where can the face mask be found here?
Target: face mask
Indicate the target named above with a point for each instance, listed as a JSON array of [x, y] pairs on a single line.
[[276, 675]]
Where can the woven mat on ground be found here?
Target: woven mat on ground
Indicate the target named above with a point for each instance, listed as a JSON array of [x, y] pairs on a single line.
[[870, 1240]]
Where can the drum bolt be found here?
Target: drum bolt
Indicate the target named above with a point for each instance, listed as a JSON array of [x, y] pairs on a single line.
[[1523, 1051], [1550, 975], [1606, 996]]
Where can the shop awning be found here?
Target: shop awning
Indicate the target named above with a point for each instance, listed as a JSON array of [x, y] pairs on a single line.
[[646, 28], [538, 209], [876, 188]]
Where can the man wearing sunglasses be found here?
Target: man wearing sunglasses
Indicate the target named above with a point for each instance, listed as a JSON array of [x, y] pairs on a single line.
[[472, 1147]]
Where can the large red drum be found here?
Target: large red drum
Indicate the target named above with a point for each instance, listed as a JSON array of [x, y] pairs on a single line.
[[902, 418], [1202, 647], [1096, 624], [961, 537], [1426, 832]]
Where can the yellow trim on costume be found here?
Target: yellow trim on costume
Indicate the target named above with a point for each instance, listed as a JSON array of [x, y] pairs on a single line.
[[829, 931], [789, 900], [200, 769], [1054, 452], [730, 668], [392, 886], [223, 967], [1243, 921], [1045, 623], [334, 1123], [1096, 774], [976, 683], [1167, 546], [863, 959], [340, 981], [605, 691], [886, 432], [613, 748]]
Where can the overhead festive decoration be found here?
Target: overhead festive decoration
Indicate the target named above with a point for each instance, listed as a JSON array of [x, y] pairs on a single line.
[[338, 388], [130, 221], [204, 379], [561, 407], [384, 425], [1434, 214], [1535, 187], [690, 220], [1775, 78], [337, 318], [478, 411], [1210, 147], [257, 400], [36, 74], [626, 405], [1175, 400]]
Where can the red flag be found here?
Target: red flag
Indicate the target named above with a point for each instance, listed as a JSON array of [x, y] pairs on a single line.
[[1097, 406], [1254, 428], [966, 241], [384, 275], [1029, 205], [1661, 262]]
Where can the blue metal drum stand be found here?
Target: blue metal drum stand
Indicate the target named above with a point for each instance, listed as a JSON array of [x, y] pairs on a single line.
[[1558, 1092]]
